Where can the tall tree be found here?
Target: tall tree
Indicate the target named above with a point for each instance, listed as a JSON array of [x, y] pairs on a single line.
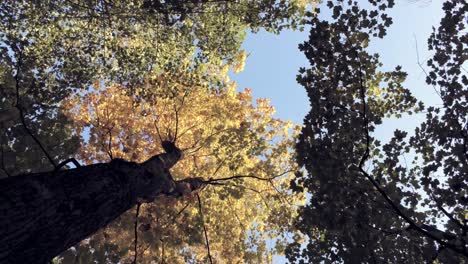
[[50, 48], [227, 139], [53, 49], [367, 204]]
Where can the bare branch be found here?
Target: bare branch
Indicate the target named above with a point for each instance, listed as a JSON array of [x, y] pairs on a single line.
[[4, 169], [136, 232], [449, 215], [176, 123], [163, 259], [420, 65], [174, 218], [21, 113], [211, 181], [157, 130], [204, 228], [63, 163]]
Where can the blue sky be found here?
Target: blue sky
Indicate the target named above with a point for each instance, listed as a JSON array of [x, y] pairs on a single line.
[[274, 60]]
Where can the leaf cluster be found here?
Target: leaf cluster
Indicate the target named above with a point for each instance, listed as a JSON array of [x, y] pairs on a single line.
[[367, 204], [222, 133]]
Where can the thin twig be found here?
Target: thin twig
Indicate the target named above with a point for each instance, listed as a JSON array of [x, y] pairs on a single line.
[[4, 169], [210, 181], [177, 110], [450, 216], [281, 195], [189, 129], [109, 144], [136, 233], [465, 140], [204, 229], [235, 214], [176, 123], [157, 130], [20, 109], [422, 68], [174, 218], [163, 259], [109, 131], [63, 163]]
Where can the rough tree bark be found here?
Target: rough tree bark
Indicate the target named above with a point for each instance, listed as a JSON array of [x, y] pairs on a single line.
[[43, 214]]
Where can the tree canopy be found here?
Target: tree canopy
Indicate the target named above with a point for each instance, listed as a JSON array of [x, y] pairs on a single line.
[[226, 138], [102, 81], [174, 164], [369, 202], [49, 48]]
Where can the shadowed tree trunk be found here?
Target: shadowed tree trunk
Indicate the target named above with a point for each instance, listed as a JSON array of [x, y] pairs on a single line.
[[43, 214]]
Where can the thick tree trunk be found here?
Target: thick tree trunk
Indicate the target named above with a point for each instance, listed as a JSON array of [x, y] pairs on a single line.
[[43, 214]]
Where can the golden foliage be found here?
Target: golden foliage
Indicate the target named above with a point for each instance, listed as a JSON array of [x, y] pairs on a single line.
[[223, 133]]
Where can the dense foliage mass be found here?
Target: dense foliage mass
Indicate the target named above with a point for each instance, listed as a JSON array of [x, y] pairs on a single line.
[[105, 80], [368, 203], [49, 48], [223, 134]]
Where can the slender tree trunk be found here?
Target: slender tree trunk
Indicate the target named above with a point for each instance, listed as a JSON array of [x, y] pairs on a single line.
[[43, 214]]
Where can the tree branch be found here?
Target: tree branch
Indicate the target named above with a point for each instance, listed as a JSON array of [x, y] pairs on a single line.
[[421, 67], [136, 233], [20, 109], [4, 169], [397, 210], [450, 216], [204, 228], [211, 181], [63, 163]]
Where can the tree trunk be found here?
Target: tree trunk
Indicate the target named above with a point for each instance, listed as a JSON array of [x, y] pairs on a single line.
[[43, 214]]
